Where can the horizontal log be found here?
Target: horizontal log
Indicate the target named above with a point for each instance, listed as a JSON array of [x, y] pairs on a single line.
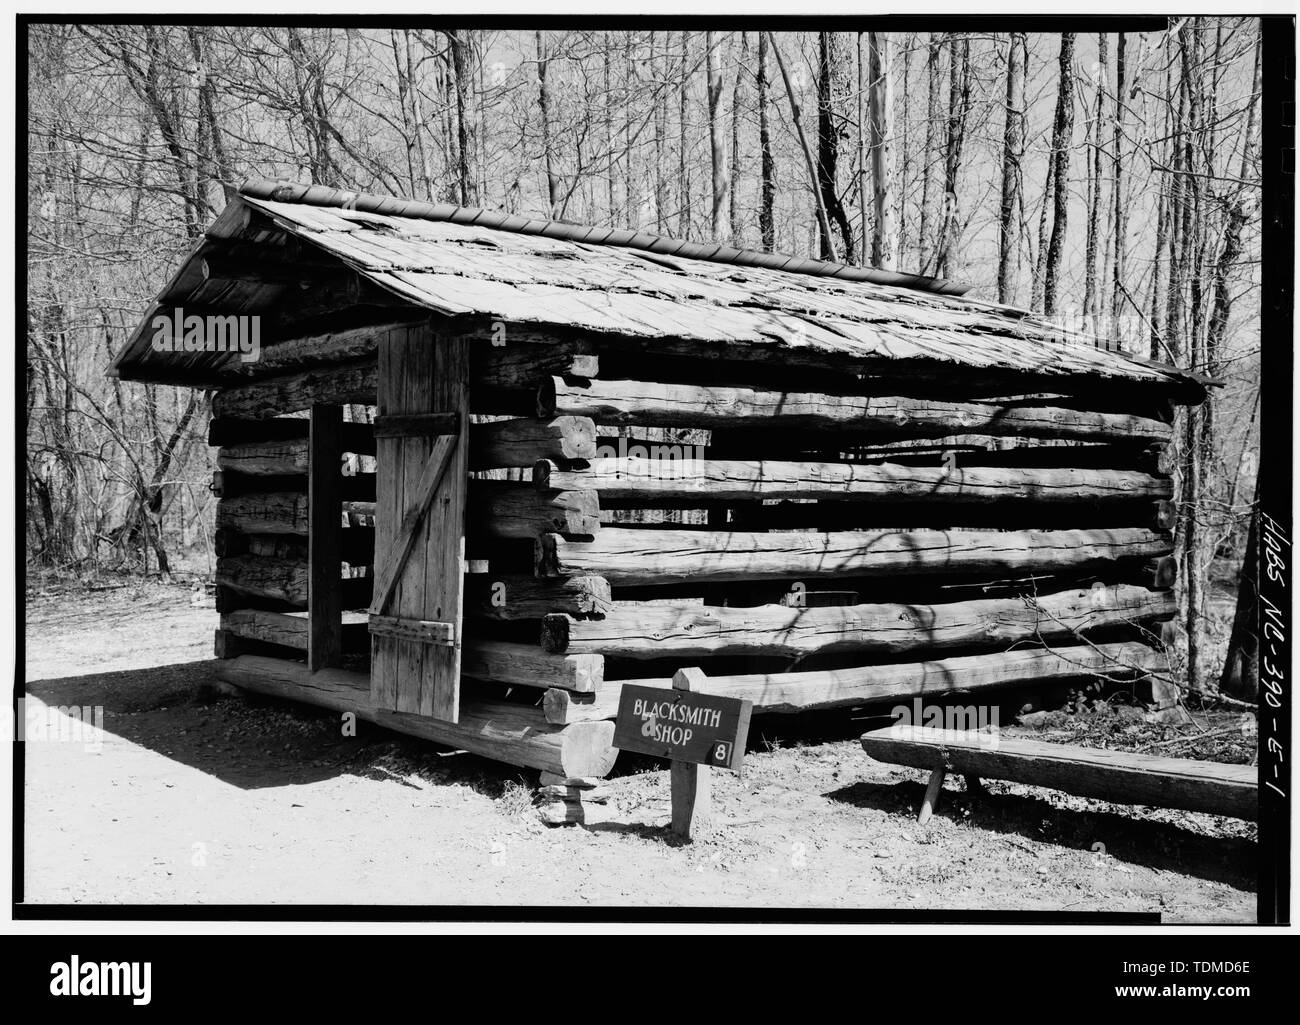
[[355, 487], [523, 365], [494, 661], [623, 355], [224, 431], [505, 732], [336, 299], [289, 629], [866, 685], [284, 580], [288, 393], [919, 514], [1164, 515], [650, 404], [1160, 459], [276, 458], [509, 597], [276, 513], [356, 545], [227, 644], [1117, 776], [625, 555], [960, 451], [218, 268], [509, 367], [699, 631], [519, 442], [351, 345], [1160, 574], [508, 509], [666, 480], [264, 513], [524, 440], [525, 665], [512, 366], [965, 451]]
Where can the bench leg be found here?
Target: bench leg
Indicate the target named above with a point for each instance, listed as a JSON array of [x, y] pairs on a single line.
[[974, 787], [931, 796]]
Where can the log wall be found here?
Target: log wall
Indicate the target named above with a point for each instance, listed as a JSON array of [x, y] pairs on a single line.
[[858, 540]]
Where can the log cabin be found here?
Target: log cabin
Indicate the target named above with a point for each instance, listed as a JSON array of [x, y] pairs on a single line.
[[479, 471]]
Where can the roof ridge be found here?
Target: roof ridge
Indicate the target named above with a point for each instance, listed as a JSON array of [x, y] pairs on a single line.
[[327, 196]]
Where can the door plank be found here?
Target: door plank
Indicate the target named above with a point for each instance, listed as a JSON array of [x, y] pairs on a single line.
[[421, 570]]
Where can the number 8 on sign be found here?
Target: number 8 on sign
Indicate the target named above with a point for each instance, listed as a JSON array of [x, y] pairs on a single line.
[[720, 754]]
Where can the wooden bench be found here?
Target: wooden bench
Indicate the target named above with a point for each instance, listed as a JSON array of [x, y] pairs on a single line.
[[1085, 772]]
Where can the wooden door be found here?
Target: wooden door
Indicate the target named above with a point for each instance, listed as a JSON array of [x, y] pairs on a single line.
[[421, 439]]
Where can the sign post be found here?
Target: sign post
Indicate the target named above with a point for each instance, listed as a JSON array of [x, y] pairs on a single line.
[[692, 729]]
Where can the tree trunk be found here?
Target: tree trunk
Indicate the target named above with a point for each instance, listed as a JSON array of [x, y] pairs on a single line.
[[631, 186], [1013, 148], [733, 215], [1091, 304], [460, 69], [611, 210], [543, 102], [661, 131], [864, 186], [717, 142], [683, 171], [1240, 676], [767, 168], [828, 150], [931, 142], [959, 89], [1194, 456], [1062, 129], [823, 220], [1121, 205], [884, 237], [904, 143]]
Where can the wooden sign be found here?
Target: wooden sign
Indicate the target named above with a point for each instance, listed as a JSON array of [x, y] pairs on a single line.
[[683, 725]]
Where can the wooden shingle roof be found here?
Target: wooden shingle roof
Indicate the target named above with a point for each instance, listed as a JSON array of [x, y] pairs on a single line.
[[464, 262]]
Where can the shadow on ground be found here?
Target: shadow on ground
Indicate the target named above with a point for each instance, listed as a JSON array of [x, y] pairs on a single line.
[[252, 741], [1153, 844]]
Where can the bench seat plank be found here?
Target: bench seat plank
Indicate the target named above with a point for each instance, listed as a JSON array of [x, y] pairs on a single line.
[[1085, 772]]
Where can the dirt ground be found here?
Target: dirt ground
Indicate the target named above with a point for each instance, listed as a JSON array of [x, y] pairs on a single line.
[[197, 798]]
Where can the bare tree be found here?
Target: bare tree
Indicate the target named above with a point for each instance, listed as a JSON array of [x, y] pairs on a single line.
[[1013, 148], [717, 141], [733, 189], [683, 170], [823, 220], [884, 239], [767, 166], [1090, 301], [933, 68], [828, 149], [1120, 227], [959, 101], [1062, 129], [544, 106], [467, 194]]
